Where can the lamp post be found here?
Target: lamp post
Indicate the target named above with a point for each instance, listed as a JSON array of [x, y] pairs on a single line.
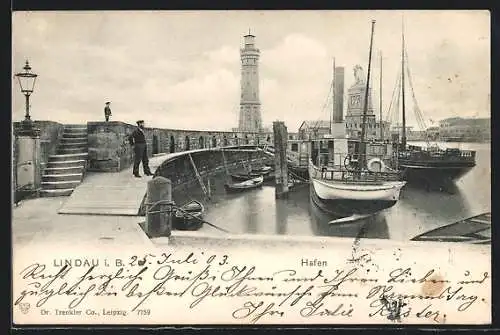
[[27, 139], [27, 81]]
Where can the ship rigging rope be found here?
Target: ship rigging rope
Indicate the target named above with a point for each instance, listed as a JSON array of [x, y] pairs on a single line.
[[318, 122], [390, 111], [418, 113]]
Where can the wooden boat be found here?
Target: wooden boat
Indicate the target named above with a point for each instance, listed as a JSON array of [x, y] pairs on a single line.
[[189, 216], [263, 170], [244, 185], [428, 164], [269, 176], [266, 172], [475, 229], [349, 184], [247, 176], [301, 172]]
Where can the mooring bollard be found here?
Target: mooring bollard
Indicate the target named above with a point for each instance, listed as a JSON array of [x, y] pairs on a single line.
[[280, 159], [159, 207]]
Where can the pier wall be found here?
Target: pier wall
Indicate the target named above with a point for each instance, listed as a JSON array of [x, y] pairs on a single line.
[[109, 150], [50, 135], [209, 164]]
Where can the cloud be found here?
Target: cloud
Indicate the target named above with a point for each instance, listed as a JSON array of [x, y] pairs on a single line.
[[169, 73], [297, 55], [224, 55]]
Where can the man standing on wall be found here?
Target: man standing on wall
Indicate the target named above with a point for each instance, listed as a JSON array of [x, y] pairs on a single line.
[[138, 140], [107, 111]]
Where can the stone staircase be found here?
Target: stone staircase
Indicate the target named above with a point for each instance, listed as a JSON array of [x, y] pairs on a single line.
[[65, 169]]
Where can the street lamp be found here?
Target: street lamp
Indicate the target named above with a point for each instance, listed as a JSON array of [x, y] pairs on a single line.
[[27, 81]]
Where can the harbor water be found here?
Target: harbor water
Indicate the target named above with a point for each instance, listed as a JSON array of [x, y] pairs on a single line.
[[418, 210]]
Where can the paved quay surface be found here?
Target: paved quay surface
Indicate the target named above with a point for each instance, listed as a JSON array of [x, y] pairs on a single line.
[[36, 222], [110, 193]]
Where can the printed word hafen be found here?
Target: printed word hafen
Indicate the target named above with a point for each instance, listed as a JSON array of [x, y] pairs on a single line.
[[313, 262]]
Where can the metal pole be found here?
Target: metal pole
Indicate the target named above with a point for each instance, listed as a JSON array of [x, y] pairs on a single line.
[[403, 137], [380, 107], [27, 116], [365, 108]]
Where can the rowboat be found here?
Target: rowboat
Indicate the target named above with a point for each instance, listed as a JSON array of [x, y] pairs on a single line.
[[475, 230], [244, 185], [245, 176], [189, 216], [264, 169], [267, 174]]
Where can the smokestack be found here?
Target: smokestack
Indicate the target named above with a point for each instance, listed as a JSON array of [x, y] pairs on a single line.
[[338, 114]]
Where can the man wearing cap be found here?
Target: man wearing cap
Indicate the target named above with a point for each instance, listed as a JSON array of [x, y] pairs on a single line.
[[107, 111], [138, 140]]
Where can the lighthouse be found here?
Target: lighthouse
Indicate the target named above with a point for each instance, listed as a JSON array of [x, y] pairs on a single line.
[[250, 116]]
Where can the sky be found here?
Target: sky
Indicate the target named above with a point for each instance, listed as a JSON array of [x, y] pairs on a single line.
[[181, 69]]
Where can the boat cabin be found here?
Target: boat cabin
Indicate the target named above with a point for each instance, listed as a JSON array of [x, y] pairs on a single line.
[[331, 152]]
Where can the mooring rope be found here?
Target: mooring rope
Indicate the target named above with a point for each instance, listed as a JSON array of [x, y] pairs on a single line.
[[173, 208]]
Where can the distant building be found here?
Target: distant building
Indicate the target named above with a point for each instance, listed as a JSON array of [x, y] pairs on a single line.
[[314, 129], [411, 134], [465, 129], [433, 133], [250, 113], [355, 106]]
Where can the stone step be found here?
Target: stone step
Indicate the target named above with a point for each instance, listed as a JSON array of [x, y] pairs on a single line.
[[76, 177], [79, 134], [64, 170], [80, 163], [75, 126], [75, 130], [51, 185], [77, 150], [68, 157], [68, 140], [64, 192], [82, 144]]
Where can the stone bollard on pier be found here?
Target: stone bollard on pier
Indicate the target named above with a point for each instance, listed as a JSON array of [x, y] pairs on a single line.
[[159, 207], [280, 160]]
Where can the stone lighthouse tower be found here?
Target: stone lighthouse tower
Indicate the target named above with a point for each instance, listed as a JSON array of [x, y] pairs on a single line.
[[250, 117]]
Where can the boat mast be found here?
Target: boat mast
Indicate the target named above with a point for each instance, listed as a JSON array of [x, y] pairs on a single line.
[[365, 107], [380, 100], [403, 137]]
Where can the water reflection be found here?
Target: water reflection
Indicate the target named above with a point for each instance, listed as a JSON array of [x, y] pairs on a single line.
[[418, 210], [251, 215], [374, 226], [281, 210]]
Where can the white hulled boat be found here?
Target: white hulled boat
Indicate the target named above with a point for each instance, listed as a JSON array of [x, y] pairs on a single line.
[[358, 183]]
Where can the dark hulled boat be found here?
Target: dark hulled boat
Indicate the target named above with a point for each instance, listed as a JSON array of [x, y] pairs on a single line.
[[476, 230], [434, 165], [429, 164], [189, 216], [294, 166]]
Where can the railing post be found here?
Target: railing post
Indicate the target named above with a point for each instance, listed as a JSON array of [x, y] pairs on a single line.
[[159, 207]]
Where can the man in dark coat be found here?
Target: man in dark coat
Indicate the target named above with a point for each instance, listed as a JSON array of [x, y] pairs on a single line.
[[107, 111], [138, 140]]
